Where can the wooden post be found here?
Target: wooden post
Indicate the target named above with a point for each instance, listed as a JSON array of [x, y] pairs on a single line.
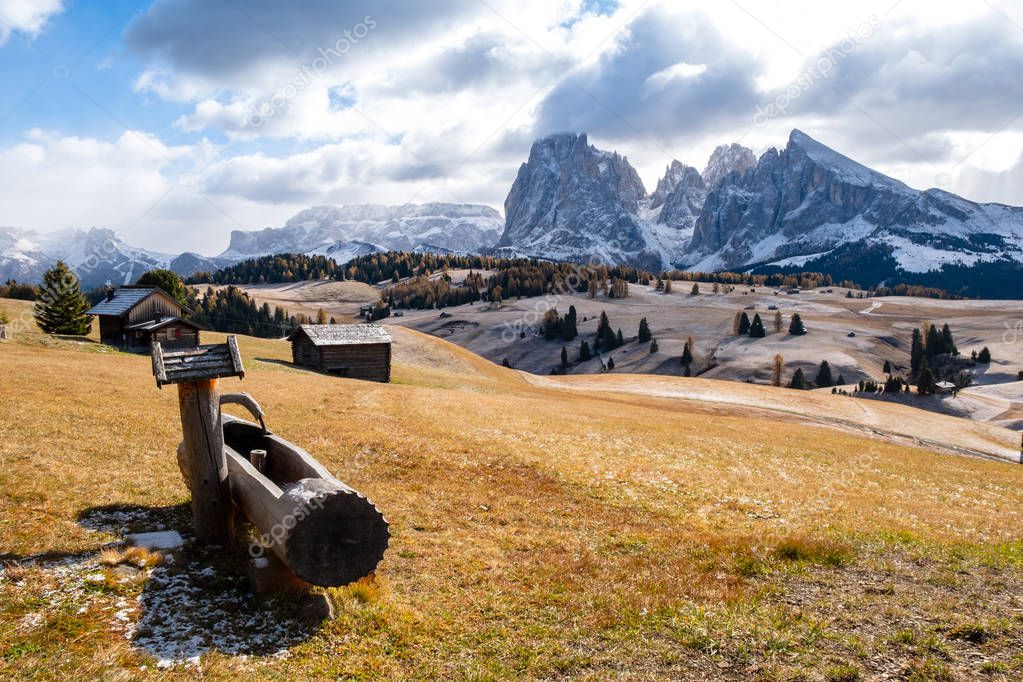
[[199, 402], [201, 454]]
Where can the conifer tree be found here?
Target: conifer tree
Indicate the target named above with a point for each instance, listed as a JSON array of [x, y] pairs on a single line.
[[744, 324], [777, 321], [823, 378], [687, 355], [736, 321], [756, 329], [564, 358], [984, 356], [610, 363], [321, 316], [695, 291], [947, 342], [644, 331], [60, 306], [796, 326], [776, 369], [584, 351], [925, 381], [653, 346], [619, 339], [798, 380], [887, 367], [916, 353], [840, 381]]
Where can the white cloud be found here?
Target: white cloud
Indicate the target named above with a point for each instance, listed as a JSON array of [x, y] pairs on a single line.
[[28, 16]]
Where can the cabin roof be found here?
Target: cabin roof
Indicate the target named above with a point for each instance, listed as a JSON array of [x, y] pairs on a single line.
[[153, 325], [343, 334], [125, 298]]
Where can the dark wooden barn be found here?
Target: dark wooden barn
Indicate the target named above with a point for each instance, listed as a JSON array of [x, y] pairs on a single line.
[[358, 351], [132, 317]]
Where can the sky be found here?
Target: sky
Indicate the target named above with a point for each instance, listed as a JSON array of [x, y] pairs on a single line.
[[175, 122]]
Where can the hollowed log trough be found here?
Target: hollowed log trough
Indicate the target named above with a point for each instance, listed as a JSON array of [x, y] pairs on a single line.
[[327, 533], [323, 532]]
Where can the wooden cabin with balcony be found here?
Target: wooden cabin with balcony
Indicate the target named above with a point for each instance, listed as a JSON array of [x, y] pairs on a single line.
[[132, 317]]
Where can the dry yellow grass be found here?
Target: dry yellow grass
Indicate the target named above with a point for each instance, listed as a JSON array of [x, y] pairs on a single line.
[[536, 532]]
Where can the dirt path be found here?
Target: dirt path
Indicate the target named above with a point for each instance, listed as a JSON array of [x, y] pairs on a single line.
[[891, 422]]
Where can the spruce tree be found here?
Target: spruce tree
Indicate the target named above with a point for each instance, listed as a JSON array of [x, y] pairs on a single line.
[[619, 339], [823, 378], [687, 355], [887, 367], [584, 351], [644, 331], [653, 346], [798, 380], [984, 356], [564, 357], [60, 306], [756, 329], [744, 324], [840, 381], [925, 382], [916, 353], [947, 342], [610, 363], [796, 326]]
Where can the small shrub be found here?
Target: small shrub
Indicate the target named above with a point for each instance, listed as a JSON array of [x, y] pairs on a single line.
[[843, 672], [813, 551]]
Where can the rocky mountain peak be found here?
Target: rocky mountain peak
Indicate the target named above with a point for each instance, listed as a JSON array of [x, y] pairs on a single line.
[[725, 159], [675, 175]]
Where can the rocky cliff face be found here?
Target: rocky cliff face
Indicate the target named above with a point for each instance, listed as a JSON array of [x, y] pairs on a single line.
[[805, 201], [726, 159], [575, 202]]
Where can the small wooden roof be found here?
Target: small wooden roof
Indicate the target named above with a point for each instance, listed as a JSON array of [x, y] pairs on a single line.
[[197, 364], [153, 325], [343, 334]]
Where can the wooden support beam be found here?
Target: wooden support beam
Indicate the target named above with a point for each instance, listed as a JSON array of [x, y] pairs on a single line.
[[199, 402]]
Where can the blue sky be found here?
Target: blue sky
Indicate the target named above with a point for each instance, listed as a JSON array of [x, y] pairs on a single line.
[[139, 117]]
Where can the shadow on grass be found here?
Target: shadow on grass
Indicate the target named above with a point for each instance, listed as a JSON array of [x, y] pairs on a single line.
[[299, 368], [196, 601]]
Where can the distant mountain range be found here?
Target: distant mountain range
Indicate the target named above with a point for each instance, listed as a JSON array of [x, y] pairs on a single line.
[[340, 232], [806, 207]]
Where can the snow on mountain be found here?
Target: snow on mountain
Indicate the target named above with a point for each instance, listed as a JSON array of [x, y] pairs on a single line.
[[96, 255], [575, 202], [809, 200], [462, 228]]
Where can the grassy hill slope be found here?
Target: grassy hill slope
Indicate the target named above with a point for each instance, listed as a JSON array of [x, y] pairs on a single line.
[[537, 532]]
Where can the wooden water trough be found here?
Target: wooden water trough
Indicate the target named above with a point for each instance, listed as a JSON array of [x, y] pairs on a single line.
[[322, 531]]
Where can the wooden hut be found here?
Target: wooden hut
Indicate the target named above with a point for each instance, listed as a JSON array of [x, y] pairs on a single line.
[[358, 351], [132, 317]]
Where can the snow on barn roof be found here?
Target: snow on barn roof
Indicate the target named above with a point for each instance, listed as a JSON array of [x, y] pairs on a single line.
[[343, 334]]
